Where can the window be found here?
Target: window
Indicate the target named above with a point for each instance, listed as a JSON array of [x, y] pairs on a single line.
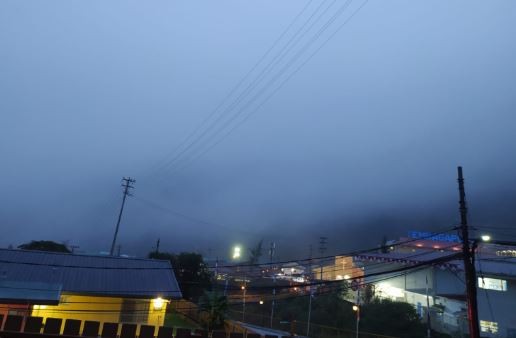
[[487, 326], [492, 284], [134, 311]]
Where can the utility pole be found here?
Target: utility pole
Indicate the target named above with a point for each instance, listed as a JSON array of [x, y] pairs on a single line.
[[271, 256], [310, 295], [469, 263], [322, 249], [428, 324], [157, 246], [356, 308], [126, 184]]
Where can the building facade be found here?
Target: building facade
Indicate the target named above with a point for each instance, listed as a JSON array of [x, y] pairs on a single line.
[[84, 287], [437, 291]]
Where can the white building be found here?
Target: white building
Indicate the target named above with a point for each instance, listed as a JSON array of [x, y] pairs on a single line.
[[444, 284]]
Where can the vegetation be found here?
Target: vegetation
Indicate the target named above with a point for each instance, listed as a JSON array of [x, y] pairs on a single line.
[[392, 318], [178, 320], [44, 246], [191, 272], [213, 307], [331, 312], [256, 253]]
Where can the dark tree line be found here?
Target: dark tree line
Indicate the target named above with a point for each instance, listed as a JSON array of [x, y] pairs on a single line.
[[191, 272]]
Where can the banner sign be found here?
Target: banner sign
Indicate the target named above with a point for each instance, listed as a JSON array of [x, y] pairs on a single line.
[[434, 237]]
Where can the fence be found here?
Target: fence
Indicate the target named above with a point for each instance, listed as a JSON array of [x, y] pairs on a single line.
[[27, 327]]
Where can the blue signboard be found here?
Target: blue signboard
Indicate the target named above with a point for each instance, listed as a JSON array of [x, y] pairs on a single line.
[[434, 237]]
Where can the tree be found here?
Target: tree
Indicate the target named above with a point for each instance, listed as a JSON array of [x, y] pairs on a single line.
[[44, 246], [256, 253], [191, 272], [387, 317], [213, 307]]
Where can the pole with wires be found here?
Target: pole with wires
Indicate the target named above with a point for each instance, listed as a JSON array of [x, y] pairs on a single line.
[[428, 325], [271, 257], [309, 297], [469, 262], [126, 184]]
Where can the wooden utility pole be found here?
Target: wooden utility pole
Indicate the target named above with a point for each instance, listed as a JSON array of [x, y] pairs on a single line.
[[469, 262], [126, 184], [271, 266], [310, 296]]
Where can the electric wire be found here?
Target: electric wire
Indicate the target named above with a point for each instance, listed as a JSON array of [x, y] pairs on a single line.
[[272, 93], [242, 80]]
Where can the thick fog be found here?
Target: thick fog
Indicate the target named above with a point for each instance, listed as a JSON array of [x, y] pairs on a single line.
[[359, 137]]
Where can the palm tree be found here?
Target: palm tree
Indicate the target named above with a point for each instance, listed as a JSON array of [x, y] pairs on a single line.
[[213, 306]]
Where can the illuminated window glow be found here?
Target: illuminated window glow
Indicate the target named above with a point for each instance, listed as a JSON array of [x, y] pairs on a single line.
[[487, 326], [492, 284], [386, 290]]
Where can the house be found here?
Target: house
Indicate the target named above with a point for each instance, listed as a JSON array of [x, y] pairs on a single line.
[[439, 289], [85, 287]]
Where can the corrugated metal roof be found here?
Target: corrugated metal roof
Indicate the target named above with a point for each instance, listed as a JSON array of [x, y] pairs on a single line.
[[86, 274], [27, 292], [487, 264]]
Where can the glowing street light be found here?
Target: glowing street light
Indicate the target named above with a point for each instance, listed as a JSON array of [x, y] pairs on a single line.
[[485, 238], [237, 252], [243, 303], [356, 308]]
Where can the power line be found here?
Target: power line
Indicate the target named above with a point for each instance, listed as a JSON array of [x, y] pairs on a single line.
[[238, 85], [273, 92], [188, 217], [434, 261], [257, 95]]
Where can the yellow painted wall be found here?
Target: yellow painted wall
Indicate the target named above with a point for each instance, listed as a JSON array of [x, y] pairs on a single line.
[[101, 309]]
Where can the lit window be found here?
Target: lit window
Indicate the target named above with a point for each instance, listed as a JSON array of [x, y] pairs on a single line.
[[492, 284], [487, 326]]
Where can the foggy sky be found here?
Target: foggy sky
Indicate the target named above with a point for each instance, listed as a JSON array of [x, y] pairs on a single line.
[[363, 141]]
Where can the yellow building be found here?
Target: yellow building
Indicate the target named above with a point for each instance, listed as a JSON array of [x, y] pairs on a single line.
[[93, 288], [340, 269]]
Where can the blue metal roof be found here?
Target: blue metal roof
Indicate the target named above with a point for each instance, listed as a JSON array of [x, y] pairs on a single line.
[[29, 292], [94, 275]]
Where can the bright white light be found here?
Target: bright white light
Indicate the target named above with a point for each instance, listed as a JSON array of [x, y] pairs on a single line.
[[236, 252], [390, 291], [261, 302], [355, 307], [486, 238], [158, 303]]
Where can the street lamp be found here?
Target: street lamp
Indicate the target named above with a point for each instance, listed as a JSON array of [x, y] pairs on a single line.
[[356, 308], [262, 314], [485, 238], [243, 304]]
